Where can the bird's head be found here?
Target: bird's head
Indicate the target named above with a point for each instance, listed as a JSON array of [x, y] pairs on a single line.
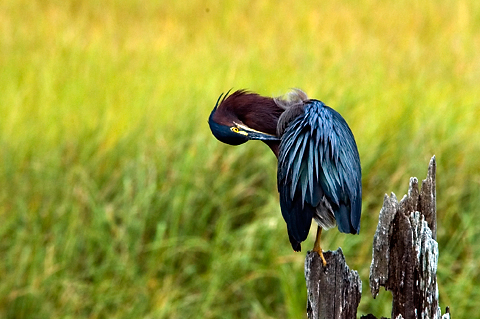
[[244, 116]]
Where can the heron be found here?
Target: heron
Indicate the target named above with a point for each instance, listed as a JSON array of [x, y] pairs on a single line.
[[318, 174]]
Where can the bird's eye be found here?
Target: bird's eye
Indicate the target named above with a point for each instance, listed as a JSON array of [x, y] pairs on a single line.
[[234, 129]]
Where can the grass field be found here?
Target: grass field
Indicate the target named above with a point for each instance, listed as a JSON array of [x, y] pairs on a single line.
[[117, 202]]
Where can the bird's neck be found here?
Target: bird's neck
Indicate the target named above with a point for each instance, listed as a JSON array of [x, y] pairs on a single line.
[[258, 112]]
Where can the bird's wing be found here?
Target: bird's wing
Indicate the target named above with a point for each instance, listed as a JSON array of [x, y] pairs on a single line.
[[318, 156]]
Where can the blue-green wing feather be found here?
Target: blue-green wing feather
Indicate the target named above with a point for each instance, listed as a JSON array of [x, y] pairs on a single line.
[[318, 157]]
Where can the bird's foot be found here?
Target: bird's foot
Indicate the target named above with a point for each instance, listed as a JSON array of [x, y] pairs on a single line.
[[317, 248], [320, 253]]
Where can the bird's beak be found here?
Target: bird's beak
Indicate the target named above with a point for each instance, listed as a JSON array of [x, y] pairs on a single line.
[[253, 134]]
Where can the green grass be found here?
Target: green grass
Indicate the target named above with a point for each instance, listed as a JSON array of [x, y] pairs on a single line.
[[117, 202]]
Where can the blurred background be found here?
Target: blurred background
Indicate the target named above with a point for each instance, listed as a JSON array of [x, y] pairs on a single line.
[[117, 202]]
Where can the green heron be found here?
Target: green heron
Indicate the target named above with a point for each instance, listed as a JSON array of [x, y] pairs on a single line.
[[319, 174]]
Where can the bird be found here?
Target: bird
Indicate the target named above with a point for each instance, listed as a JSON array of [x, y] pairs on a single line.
[[319, 171]]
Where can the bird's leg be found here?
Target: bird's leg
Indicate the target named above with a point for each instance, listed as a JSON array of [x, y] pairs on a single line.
[[316, 246]]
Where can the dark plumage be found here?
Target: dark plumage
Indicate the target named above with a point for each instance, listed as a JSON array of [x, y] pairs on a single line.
[[319, 173]]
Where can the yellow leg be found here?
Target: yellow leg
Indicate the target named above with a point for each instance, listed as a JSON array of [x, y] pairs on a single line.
[[316, 246]]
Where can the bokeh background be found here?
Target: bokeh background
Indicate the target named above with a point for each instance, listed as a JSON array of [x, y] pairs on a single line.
[[117, 202]]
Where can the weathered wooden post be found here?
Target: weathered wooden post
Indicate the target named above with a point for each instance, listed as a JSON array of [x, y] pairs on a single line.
[[404, 261], [334, 291]]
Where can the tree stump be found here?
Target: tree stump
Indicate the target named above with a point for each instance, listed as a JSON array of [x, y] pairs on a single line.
[[405, 253], [334, 291], [404, 261]]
